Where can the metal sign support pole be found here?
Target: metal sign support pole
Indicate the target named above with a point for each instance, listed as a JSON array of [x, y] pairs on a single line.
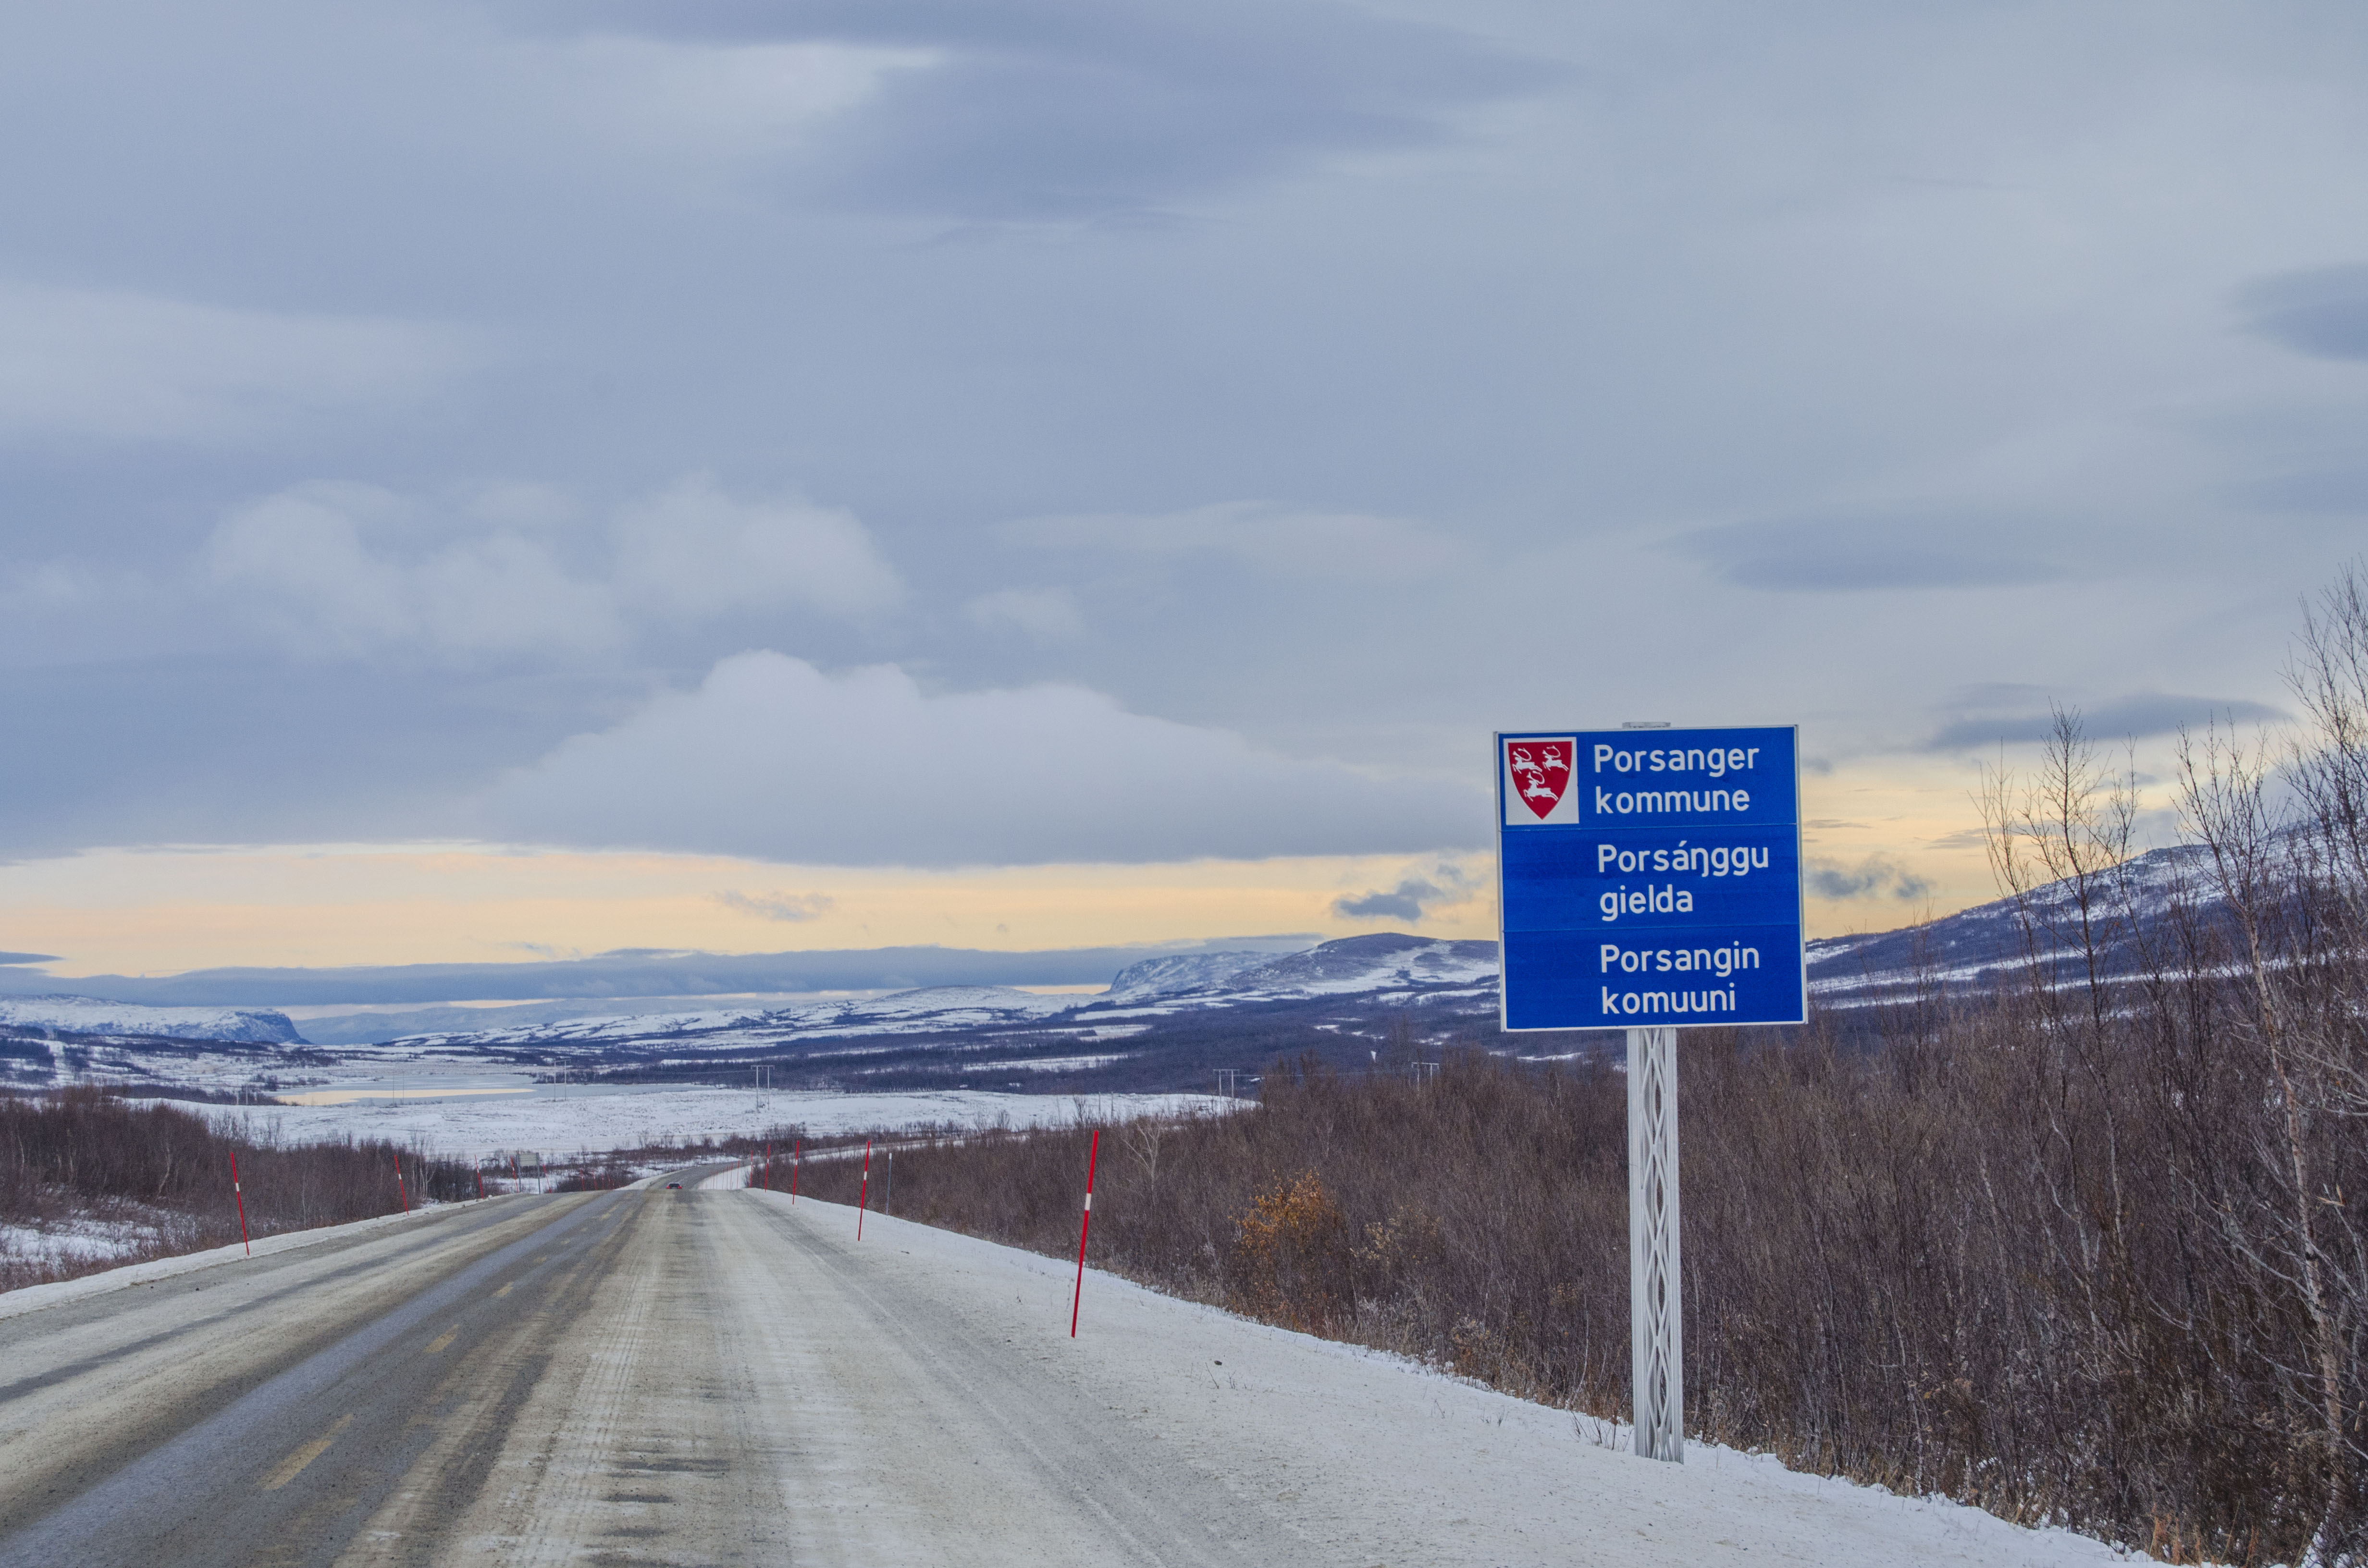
[[1656, 1310]]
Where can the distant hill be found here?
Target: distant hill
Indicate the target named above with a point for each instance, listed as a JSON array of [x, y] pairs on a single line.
[[1973, 946], [86, 1016]]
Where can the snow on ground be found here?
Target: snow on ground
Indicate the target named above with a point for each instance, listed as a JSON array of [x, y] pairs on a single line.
[[1049, 1065], [75, 1242], [559, 1117], [1372, 1457], [104, 1231], [728, 1181]]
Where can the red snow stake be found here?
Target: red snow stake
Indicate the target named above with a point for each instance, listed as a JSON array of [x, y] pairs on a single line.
[[481, 1179], [797, 1153], [863, 1196], [241, 1199], [398, 1184], [1085, 1223]]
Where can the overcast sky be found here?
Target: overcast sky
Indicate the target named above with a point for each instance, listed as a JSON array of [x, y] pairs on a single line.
[[884, 439]]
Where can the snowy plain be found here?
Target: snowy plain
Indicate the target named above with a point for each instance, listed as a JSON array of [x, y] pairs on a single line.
[[459, 1117]]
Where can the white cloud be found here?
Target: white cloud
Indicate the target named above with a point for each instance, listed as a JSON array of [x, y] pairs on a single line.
[[739, 100], [1277, 539], [1045, 614], [303, 555], [772, 757], [123, 366], [342, 569], [696, 551]]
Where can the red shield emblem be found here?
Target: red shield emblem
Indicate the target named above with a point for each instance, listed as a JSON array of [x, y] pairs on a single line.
[[1541, 772]]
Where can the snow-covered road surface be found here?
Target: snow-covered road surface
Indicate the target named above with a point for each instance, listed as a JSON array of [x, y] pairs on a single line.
[[691, 1376]]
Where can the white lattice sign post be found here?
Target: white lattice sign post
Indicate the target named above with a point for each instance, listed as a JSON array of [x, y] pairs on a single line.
[[1658, 1336]]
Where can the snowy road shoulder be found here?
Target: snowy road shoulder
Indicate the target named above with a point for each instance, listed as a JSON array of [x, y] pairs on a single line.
[[1359, 1450]]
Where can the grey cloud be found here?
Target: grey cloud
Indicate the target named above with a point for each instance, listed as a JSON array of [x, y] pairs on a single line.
[[272, 752], [1045, 614], [1064, 110], [13, 959], [779, 907], [118, 366], [2340, 488], [2136, 715], [1406, 903], [1415, 895], [1877, 875], [2322, 311], [1289, 540], [1857, 555]]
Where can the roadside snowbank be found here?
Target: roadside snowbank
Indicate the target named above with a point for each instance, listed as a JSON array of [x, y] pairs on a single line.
[[33, 1298], [1371, 1458]]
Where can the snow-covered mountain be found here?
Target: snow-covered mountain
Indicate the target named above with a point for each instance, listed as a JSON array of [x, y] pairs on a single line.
[[1379, 966], [1182, 973], [1960, 950], [1389, 962], [86, 1016]]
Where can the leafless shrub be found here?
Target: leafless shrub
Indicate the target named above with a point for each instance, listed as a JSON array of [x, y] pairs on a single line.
[[162, 1174]]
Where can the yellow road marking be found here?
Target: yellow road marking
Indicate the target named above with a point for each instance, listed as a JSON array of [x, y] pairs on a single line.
[[436, 1345], [291, 1467], [505, 1290]]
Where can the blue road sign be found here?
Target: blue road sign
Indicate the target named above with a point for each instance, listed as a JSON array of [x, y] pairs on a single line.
[[1649, 877]]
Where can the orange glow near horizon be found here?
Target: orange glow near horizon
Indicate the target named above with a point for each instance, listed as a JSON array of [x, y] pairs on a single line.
[[161, 911]]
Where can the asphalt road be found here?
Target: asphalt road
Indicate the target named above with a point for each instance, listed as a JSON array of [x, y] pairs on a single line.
[[629, 1376], [718, 1376]]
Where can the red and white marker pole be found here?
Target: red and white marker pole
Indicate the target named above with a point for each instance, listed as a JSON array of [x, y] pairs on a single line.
[[864, 1196], [398, 1184], [797, 1155], [240, 1198], [481, 1179], [1085, 1223]]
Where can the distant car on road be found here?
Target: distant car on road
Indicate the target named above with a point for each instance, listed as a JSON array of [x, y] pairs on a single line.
[[674, 1187]]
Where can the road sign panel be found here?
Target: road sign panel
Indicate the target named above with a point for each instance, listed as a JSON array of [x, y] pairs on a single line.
[[1649, 877]]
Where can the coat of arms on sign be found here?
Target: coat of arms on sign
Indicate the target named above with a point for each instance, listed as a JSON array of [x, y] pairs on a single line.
[[1540, 771]]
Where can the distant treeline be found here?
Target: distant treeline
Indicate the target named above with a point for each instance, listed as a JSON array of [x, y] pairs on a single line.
[[2090, 1248], [161, 1176]]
